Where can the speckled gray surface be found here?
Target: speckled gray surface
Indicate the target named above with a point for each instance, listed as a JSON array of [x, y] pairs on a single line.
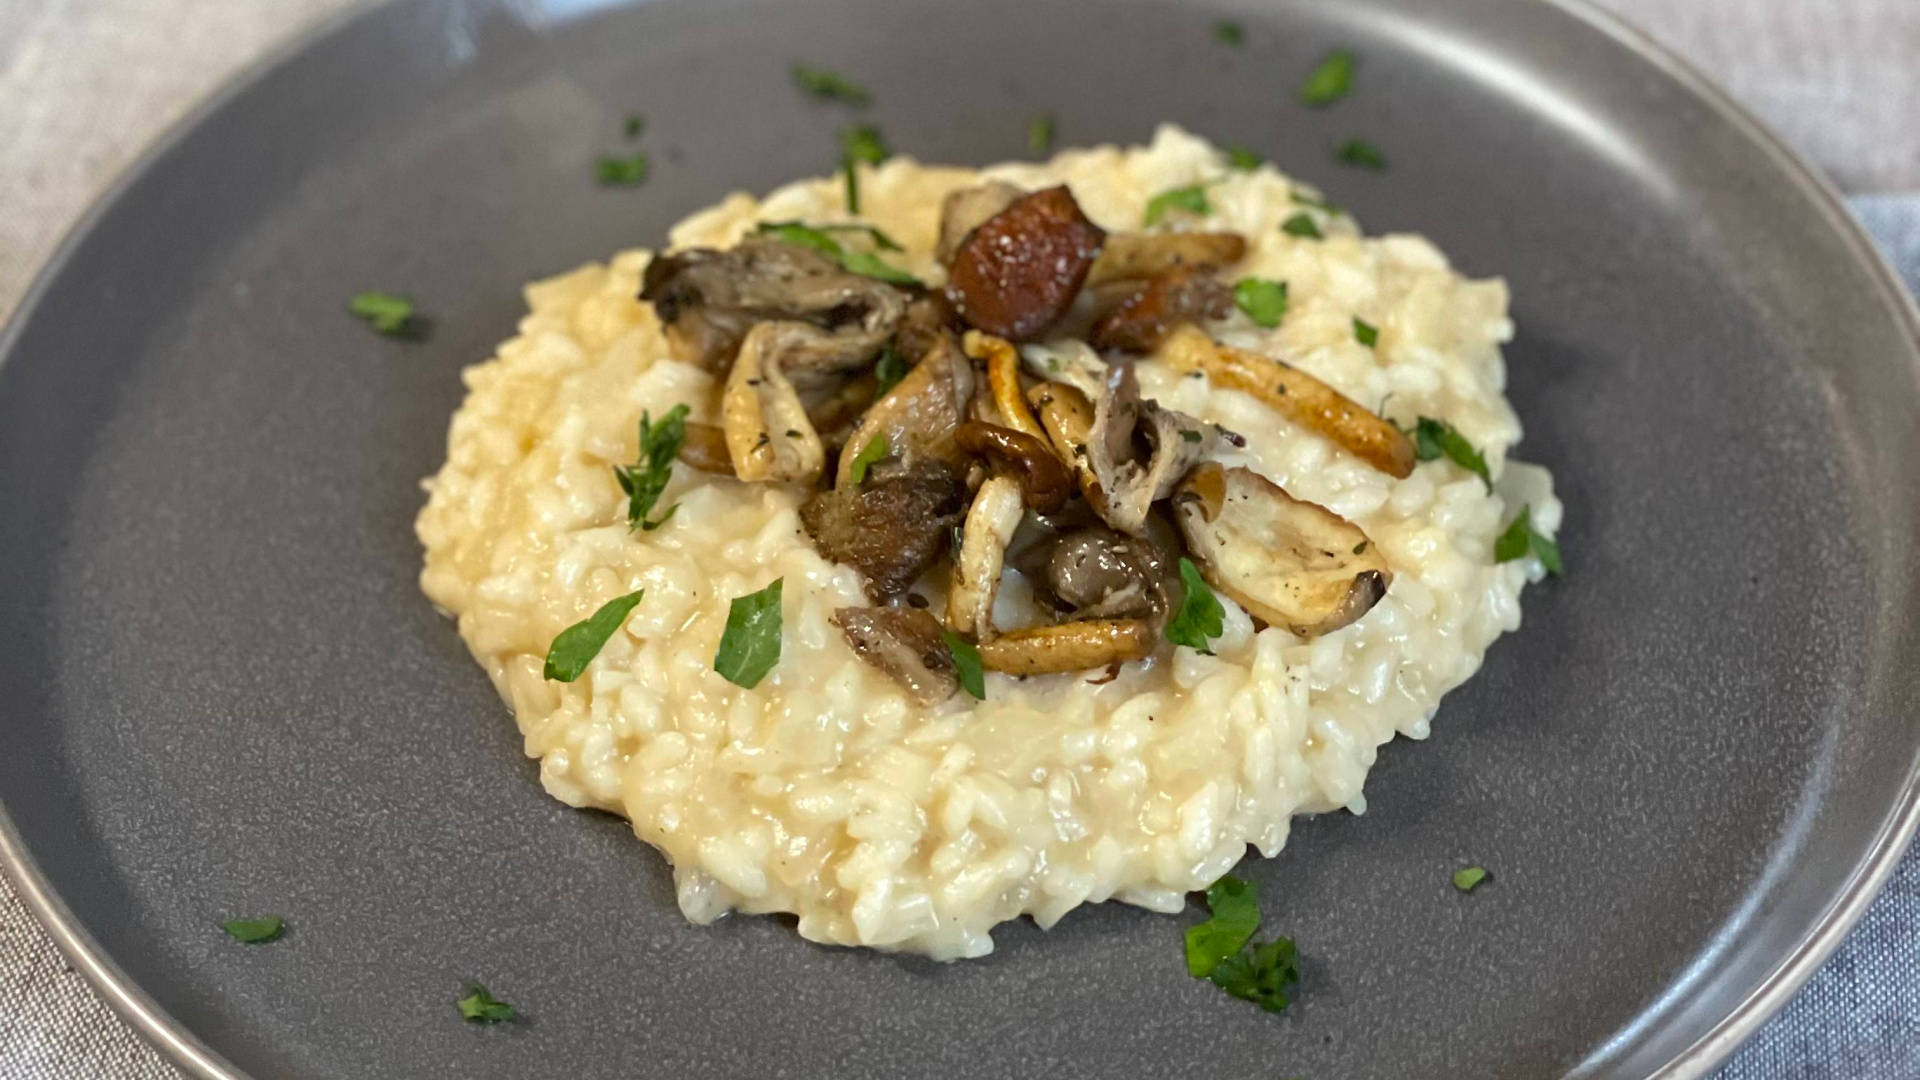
[[224, 694]]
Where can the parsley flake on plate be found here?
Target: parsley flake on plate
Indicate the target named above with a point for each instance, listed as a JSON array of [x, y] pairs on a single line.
[[1301, 224], [386, 313], [825, 85], [1235, 908], [1330, 81], [1360, 154], [1522, 539], [1192, 198], [1365, 332], [1229, 32], [481, 1007], [870, 455], [966, 664], [1261, 974], [615, 171], [1040, 133], [633, 125], [255, 931], [576, 646], [1436, 438], [1263, 301], [1467, 877], [1200, 617], [644, 480], [750, 645]]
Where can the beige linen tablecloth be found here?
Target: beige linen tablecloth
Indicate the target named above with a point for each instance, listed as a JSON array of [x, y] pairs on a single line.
[[86, 84]]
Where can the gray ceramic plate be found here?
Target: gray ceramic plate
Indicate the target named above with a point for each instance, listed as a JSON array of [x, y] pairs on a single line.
[[223, 694]]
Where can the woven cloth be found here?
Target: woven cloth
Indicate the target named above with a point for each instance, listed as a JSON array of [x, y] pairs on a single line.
[[84, 84]]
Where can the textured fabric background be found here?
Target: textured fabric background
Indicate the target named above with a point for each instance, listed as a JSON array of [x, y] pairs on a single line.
[[85, 84]]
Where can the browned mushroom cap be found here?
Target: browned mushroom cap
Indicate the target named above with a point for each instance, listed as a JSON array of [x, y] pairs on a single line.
[[1045, 483], [995, 514], [1067, 417], [928, 316], [1074, 646], [1129, 256], [1290, 563], [1173, 442], [706, 448], [1296, 395], [1003, 379], [966, 209], [1018, 271], [1185, 294], [918, 416], [890, 528], [769, 437], [709, 299], [905, 643], [1098, 573]]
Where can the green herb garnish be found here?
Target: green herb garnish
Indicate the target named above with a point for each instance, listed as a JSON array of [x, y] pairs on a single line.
[[1040, 133], [1365, 332], [860, 144], [255, 931], [750, 646], [870, 455], [634, 125], [1435, 438], [1200, 618], [644, 480], [827, 85], [1522, 539], [1228, 32], [385, 312], [1235, 906], [867, 264], [1242, 159], [966, 664], [855, 262], [481, 1007], [1301, 224], [1360, 154], [1330, 81], [1261, 974], [1467, 877], [614, 171], [888, 370], [1191, 198], [576, 646], [1265, 302]]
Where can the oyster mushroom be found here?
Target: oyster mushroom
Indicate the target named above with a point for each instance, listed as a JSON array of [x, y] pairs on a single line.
[[710, 299], [1185, 294], [1044, 482], [890, 528], [905, 643], [1129, 256], [769, 437], [1018, 271], [1296, 395], [1173, 442], [1074, 646], [1290, 563], [918, 416], [966, 209], [995, 514]]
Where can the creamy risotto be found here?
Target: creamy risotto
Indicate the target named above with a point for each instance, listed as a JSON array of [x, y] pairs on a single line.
[[885, 813]]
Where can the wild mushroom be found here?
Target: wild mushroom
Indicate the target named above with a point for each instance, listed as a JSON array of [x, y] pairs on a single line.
[[996, 512], [1133, 256], [905, 643], [1067, 417], [1003, 379], [705, 448], [966, 209], [1290, 563], [1074, 646], [1185, 294], [892, 527], [709, 300], [769, 437], [1296, 395], [918, 416], [1123, 427], [1044, 482], [1102, 574], [1018, 271]]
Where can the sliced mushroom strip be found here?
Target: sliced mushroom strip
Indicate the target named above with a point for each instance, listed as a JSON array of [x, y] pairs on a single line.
[[966, 209], [1074, 646], [705, 448], [1290, 563], [891, 528], [710, 299], [1019, 270], [918, 416], [1173, 443], [995, 514], [905, 643], [769, 437], [1296, 395], [1067, 416], [1003, 379], [1146, 316], [1143, 255], [1101, 574], [1045, 483]]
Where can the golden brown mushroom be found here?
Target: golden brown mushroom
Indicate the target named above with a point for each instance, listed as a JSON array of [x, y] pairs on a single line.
[[1045, 482], [1003, 379], [1074, 646], [769, 437], [918, 416], [706, 448], [905, 643], [1143, 255], [1067, 417]]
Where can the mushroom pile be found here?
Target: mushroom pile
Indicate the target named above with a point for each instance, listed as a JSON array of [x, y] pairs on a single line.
[[922, 438]]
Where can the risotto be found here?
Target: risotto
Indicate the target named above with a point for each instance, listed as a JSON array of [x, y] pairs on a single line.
[[889, 809]]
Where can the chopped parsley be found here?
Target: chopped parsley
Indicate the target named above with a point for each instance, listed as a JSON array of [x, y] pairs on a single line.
[[1242, 159], [1365, 332], [481, 1007], [888, 370], [1261, 974], [870, 455], [644, 480], [860, 144], [1301, 224], [255, 931], [865, 263], [1040, 133], [1331, 81], [1235, 907], [966, 664], [1467, 877], [576, 646], [825, 85], [1200, 618], [1522, 539], [1229, 32], [633, 125], [1264, 301], [614, 171], [386, 313], [1360, 154], [1192, 198], [1189, 435], [750, 646], [1435, 438]]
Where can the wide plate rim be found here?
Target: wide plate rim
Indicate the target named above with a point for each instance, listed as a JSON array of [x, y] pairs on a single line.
[[1896, 832]]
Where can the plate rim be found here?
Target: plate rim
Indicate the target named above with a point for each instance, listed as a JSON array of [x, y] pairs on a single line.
[[187, 1052]]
